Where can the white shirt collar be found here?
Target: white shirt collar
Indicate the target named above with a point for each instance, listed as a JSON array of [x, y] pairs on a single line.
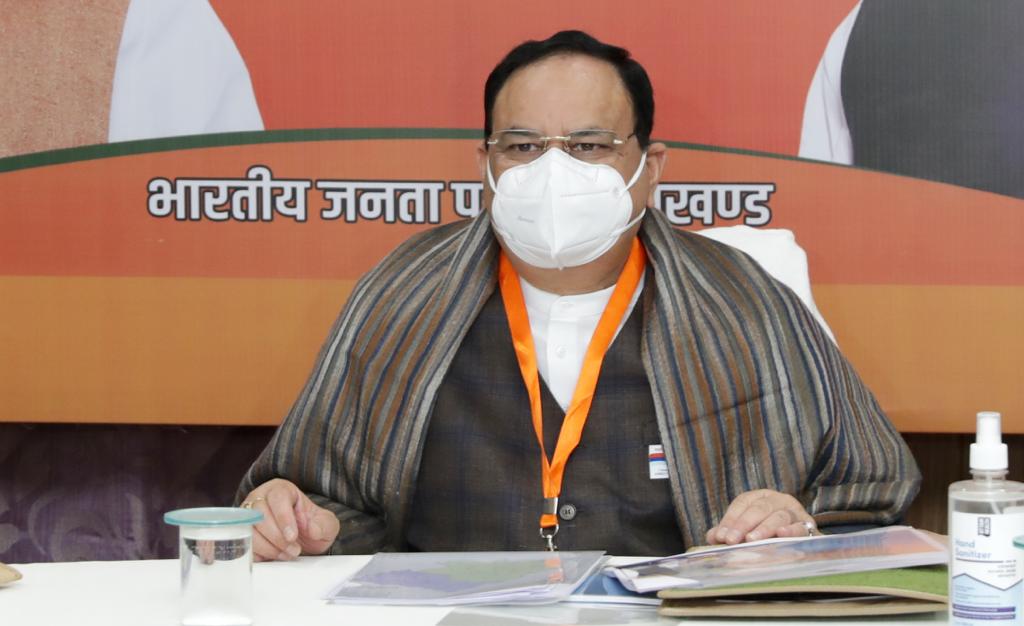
[[576, 306]]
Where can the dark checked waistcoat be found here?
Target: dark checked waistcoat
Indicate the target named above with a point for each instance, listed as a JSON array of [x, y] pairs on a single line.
[[479, 485], [748, 392]]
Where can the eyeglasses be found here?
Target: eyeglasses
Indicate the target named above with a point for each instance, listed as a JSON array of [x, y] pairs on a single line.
[[522, 146]]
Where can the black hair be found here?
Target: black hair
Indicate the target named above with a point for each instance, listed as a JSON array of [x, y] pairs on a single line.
[[633, 75]]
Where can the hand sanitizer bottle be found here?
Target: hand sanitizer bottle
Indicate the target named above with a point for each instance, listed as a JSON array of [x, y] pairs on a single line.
[[985, 514]]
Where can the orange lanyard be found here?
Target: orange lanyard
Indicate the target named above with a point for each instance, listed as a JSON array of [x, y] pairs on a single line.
[[576, 417]]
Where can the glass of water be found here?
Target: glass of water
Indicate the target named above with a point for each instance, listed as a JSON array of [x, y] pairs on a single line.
[[215, 544]]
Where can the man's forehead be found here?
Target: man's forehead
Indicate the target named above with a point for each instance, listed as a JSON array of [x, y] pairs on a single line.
[[563, 93]]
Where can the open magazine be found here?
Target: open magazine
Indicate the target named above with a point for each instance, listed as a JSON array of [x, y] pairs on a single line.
[[779, 559], [454, 578]]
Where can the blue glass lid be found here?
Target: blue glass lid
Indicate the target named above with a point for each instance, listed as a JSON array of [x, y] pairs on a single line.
[[213, 516]]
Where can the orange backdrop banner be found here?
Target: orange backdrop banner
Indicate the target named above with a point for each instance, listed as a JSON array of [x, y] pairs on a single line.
[[264, 155], [164, 287]]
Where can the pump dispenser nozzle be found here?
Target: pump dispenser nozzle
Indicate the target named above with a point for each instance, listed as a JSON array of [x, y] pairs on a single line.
[[989, 452]]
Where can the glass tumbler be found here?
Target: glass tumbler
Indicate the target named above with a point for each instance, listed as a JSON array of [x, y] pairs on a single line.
[[215, 545]]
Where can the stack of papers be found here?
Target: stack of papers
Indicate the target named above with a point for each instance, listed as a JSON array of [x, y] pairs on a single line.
[[603, 589], [454, 578], [780, 559]]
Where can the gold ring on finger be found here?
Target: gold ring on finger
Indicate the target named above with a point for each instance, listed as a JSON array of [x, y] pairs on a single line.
[[248, 504]]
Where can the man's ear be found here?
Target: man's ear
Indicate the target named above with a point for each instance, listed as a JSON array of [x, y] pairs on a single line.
[[655, 165], [481, 161]]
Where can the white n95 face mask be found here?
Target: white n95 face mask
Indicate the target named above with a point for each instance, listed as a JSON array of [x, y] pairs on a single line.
[[558, 212]]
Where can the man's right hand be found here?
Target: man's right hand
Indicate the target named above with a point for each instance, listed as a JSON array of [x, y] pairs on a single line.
[[292, 524]]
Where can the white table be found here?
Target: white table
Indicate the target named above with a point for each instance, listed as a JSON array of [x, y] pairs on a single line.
[[139, 593]]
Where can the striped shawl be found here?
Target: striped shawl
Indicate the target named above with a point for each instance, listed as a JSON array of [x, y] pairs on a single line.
[[749, 392]]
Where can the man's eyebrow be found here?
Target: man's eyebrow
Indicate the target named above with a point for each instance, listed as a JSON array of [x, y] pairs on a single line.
[[591, 128], [582, 129], [520, 128]]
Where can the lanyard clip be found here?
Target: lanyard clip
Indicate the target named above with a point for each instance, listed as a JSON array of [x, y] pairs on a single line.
[[548, 535]]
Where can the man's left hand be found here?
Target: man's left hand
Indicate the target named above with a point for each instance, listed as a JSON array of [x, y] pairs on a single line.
[[762, 514]]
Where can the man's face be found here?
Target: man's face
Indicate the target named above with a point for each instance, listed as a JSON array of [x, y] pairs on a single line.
[[564, 93]]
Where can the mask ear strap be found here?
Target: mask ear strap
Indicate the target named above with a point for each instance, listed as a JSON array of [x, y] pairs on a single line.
[[636, 174], [490, 177], [632, 222]]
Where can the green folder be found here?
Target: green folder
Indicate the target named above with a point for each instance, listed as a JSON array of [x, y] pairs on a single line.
[[879, 592]]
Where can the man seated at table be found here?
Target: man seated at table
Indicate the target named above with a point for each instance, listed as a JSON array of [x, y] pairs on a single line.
[[445, 409]]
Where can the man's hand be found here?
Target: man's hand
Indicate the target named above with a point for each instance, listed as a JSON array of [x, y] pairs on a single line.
[[762, 514], [292, 524]]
